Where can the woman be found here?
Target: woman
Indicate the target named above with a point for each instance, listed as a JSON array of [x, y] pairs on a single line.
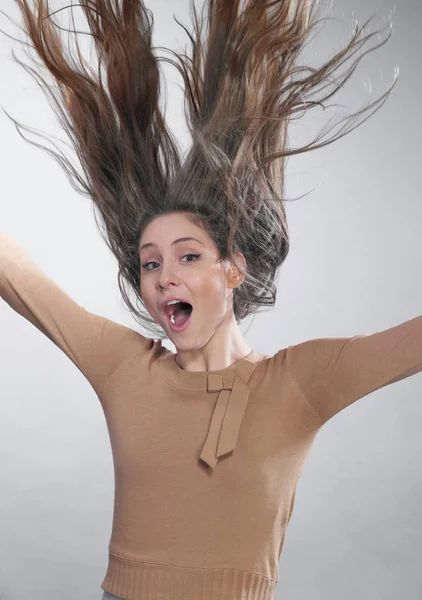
[[208, 442]]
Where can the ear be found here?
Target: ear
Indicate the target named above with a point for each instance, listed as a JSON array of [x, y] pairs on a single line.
[[236, 275]]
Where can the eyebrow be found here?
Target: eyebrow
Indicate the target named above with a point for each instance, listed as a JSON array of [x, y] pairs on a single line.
[[182, 239]]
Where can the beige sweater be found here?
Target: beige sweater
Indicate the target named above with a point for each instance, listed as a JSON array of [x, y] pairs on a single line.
[[206, 463]]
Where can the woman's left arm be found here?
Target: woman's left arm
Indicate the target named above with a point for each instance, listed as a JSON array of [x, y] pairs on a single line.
[[332, 373]]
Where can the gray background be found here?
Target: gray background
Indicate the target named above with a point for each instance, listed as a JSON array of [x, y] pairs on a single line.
[[354, 267]]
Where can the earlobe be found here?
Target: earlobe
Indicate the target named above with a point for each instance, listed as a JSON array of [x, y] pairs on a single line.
[[236, 279], [239, 272], [236, 274]]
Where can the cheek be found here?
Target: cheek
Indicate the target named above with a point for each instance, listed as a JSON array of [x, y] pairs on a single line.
[[147, 295], [212, 289]]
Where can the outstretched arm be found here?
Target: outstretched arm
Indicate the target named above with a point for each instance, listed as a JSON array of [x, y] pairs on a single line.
[[96, 345], [334, 372]]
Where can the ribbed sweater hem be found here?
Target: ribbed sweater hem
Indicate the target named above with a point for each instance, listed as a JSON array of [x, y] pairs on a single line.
[[137, 580]]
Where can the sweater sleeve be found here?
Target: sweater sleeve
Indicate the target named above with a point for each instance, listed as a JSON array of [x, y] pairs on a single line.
[[95, 344], [334, 372]]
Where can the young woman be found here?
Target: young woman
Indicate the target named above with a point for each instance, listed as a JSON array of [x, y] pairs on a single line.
[[208, 442]]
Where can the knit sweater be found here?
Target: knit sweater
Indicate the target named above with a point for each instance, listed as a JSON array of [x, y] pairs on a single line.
[[206, 464]]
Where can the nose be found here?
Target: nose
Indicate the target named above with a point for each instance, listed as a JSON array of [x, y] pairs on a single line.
[[168, 276]]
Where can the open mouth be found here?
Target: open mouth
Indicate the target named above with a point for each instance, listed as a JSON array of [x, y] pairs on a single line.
[[178, 315]]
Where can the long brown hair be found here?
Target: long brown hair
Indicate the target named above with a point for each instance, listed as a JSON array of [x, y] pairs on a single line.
[[243, 85]]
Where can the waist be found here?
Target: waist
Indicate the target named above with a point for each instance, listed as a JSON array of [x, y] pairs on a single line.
[[135, 580]]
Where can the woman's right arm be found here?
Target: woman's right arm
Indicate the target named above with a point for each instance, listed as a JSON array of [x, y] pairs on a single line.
[[95, 344]]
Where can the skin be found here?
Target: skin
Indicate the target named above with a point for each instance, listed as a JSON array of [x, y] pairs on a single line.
[[213, 339]]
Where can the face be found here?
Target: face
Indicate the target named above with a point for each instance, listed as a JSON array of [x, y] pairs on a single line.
[[187, 269]]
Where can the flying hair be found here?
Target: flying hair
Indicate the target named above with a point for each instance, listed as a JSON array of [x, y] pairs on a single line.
[[243, 85]]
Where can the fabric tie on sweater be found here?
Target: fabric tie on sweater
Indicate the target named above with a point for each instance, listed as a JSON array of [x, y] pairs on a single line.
[[228, 412]]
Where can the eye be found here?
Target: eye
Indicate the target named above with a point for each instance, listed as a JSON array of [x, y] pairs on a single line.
[[145, 265], [194, 255]]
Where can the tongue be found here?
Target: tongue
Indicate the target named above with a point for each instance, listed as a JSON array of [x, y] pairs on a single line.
[[181, 315]]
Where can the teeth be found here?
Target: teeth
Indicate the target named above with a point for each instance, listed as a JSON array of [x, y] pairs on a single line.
[[172, 319]]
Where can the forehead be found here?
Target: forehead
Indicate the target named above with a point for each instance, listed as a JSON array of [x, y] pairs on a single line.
[[164, 229]]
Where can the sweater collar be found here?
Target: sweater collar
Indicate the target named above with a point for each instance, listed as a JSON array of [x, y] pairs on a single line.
[[232, 385]]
